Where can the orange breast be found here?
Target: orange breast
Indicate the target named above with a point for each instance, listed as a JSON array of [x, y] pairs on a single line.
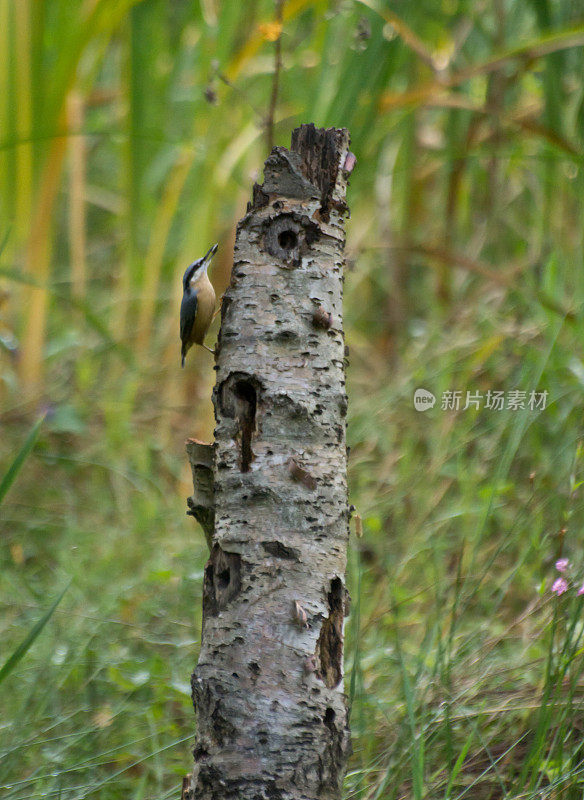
[[205, 309]]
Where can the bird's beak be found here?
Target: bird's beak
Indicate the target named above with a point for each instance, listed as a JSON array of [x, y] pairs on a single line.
[[209, 255]]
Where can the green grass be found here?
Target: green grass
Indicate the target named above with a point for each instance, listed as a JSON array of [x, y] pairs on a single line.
[[464, 671]]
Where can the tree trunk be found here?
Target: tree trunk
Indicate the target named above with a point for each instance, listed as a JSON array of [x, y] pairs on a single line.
[[268, 688]]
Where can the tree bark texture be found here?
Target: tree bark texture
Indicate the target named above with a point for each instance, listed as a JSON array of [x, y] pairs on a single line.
[[268, 688]]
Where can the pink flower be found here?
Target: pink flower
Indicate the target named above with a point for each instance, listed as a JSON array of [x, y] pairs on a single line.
[[562, 564], [560, 586], [581, 590]]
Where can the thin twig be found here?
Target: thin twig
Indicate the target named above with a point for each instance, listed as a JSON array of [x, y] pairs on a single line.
[[224, 79], [275, 78]]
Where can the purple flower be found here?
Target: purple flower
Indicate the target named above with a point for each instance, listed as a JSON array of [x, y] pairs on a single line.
[[581, 590], [560, 586], [562, 564]]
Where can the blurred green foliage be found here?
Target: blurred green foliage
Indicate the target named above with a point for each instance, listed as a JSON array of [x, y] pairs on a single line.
[[131, 132]]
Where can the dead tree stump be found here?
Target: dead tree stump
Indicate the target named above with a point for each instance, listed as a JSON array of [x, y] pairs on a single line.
[[268, 687]]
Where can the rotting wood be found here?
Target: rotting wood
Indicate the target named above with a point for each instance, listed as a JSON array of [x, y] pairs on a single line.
[[268, 688]]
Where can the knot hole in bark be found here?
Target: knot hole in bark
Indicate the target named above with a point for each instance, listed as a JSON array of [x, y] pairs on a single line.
[[238, 400], [330, 641], [329, 719], [287, 240], [289, 236], [222, 580]]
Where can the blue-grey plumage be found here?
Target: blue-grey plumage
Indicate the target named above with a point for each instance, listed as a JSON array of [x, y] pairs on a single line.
[[198, 304]]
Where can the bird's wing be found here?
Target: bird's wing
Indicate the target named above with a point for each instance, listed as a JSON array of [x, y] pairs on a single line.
[[188, 312]]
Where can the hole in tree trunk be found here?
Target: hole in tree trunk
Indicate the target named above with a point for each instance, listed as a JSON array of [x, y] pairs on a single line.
[[287, 240], [330, 641], [222, 580], [288, 237], [246, 394], [238, 398], [329, 718]]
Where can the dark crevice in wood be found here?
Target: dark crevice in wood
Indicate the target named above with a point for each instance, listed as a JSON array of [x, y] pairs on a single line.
[[329, 719], [255, 670], [260, 198], [329, 647], [222, 581], [246, 395], [280, 550], [212, 694], [238, 398], [200, 753]]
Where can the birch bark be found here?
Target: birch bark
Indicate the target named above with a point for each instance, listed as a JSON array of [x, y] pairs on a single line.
[[268, 687]]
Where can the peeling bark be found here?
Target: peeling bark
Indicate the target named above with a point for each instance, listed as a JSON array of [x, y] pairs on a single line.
[[268, 688]]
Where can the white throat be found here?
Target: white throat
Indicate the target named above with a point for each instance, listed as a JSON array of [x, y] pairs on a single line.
[[198, 274]]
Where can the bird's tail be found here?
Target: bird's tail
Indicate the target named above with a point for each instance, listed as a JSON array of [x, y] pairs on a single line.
[[182, 356]]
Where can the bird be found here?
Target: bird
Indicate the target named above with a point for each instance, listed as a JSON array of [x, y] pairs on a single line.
[[198, 304]]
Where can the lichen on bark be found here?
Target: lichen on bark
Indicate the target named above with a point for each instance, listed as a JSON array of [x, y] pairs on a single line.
[[268, 687]]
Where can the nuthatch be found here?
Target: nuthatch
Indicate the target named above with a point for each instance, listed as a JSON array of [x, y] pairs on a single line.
[[198, 304]]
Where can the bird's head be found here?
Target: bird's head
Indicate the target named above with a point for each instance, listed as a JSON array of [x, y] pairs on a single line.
[[195, 270]]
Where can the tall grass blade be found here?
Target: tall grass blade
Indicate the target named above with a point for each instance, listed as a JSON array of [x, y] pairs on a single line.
[[13, 470], [32, 635]]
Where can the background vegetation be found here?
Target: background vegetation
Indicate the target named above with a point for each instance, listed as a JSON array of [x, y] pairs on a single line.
[[130, 134]]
